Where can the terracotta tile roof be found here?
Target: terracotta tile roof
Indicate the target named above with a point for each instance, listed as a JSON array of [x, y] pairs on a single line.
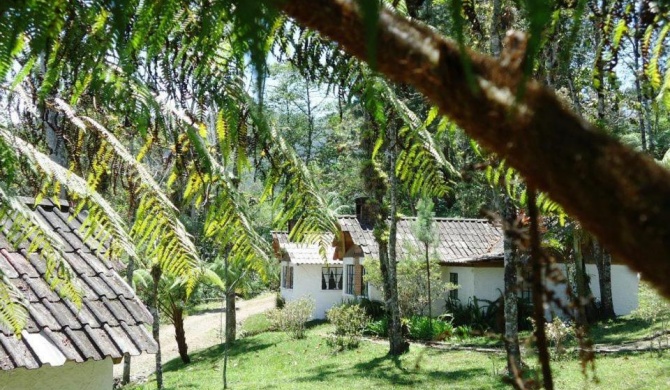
[[299, 253], [458, 240], [109, 323]]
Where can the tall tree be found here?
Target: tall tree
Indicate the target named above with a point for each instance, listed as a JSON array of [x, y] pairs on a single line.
[[423, 230], [538, 119]]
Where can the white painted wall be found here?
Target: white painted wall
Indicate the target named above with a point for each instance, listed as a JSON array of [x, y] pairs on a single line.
[[484, 283], [466, 281], [489, 282], [625, 287], [70, 376], [307, 282]]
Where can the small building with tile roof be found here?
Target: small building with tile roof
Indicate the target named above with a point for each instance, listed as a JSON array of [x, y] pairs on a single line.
[[64, 346], [305, 272], [469, 251]]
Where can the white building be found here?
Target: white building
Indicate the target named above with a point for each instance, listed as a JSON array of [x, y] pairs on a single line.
[[470, 252]]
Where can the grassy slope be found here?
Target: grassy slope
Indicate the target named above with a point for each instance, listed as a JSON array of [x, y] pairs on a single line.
[[273, 361]]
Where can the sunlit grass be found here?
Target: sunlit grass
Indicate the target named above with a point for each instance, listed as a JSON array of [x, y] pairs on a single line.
[[274, 361]]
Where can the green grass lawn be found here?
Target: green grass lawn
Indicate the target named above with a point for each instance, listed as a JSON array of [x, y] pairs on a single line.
[[273, 361]]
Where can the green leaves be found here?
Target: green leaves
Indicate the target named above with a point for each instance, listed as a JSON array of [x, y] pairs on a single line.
[[13, 308], [157, 229], [19, 225], [370, 11]]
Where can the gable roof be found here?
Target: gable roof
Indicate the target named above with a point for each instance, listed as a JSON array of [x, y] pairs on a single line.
[[301, 253], [459, 241], [110, 321]]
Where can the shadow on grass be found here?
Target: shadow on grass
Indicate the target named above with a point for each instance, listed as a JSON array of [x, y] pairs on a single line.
[[314, 323], [620, 331], [389, 370], [215, 354]]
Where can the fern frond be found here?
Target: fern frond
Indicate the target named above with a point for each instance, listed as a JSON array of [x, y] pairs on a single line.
[[13, 306], [420, 166], [227, 222], [102, 219], [20, 226], [173, 248]]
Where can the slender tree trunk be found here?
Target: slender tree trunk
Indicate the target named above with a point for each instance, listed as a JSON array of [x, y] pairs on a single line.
[[586, 309], [510, 298], [430, 299], [180, 333], [604, 263], [398, 345], [638, 93], [496, 39], [310, 122], [510, 301], [231, 316], [156, 276], [130, 269], [538, 264]]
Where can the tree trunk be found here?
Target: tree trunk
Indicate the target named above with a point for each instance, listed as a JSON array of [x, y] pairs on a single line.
[[538, 263], [125, 379], [310, 122], [430, 299], [398, 345], [586, 310], [510, 299], [180, 333], [554, 149], [156, 276], [639, 74], [231, 319], [604, 264]]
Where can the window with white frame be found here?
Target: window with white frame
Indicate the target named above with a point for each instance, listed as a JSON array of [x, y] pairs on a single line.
[[287, 277], [331, 278]]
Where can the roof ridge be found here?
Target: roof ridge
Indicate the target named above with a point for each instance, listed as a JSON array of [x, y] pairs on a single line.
[[48, 202]]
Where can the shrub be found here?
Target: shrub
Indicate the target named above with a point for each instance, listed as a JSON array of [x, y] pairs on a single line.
[[557, 333], [374, 309], [379, 328], [653, 307], [480, 318], [421, 328], [463, 332], [279, 301], [292, 318], [349, 321]]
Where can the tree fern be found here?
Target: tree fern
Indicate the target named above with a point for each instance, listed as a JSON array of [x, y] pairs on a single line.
[[102, 222], [13, 312], [156, 230], [20, 224]]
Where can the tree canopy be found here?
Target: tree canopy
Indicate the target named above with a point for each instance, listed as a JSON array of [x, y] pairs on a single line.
[[160, 108]]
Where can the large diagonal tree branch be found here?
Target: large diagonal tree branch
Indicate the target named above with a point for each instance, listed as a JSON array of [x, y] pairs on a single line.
[[622, 196]]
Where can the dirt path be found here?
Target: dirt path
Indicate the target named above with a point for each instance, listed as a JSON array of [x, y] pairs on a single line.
[[202, 331]]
